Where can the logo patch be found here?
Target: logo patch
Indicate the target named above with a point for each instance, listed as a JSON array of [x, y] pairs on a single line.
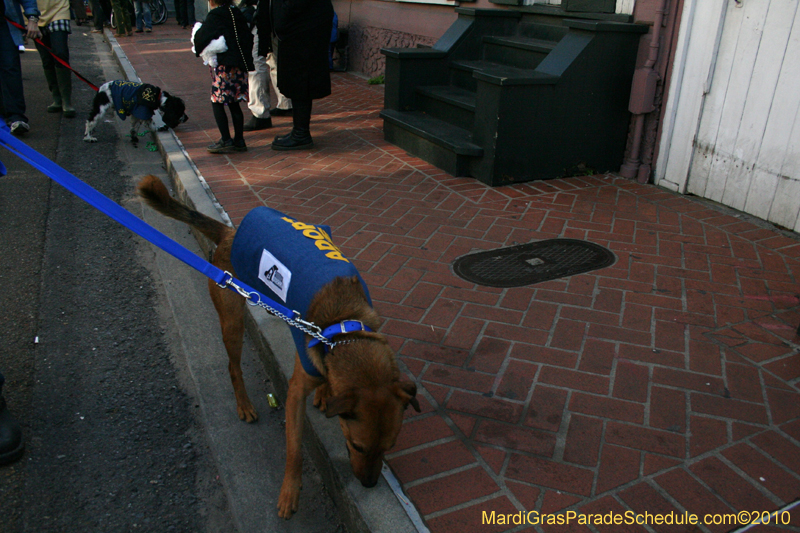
[[274, 274]]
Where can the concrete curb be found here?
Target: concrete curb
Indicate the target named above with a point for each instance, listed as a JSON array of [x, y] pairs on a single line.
[[383, 508]]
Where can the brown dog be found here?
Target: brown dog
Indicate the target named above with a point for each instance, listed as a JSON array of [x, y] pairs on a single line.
[[360, 380]]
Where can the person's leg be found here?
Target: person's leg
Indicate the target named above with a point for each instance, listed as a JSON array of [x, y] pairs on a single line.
[[11, 444], [221, 118], [122, 16], [237, 117], [98, 16], [300, 136], [258, 83], [79, 9], [59, 43], [117, 8], [180, 11], [284, 105], [137, 8], [148, 17], [12, 96], [190, 20], [49, 66]]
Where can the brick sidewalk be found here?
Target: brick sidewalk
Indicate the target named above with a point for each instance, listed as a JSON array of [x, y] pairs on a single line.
[[667, 382]]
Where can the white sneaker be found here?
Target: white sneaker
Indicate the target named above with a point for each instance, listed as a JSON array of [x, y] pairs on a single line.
[[20, 127]]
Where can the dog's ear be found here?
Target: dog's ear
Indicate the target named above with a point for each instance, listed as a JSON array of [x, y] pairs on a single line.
[[407, 392], [341, 405]]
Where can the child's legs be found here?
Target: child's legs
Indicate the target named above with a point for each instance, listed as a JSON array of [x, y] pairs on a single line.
[[222, 120], [237, 117]]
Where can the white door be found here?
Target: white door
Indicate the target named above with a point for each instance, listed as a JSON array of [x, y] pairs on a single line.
[[730, 131]]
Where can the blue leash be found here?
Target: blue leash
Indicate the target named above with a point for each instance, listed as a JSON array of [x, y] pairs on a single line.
[[108, 207]]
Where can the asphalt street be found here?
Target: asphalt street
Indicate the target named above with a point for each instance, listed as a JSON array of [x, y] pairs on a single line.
[[112, 355]]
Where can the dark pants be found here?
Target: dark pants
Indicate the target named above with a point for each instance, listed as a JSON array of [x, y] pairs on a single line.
[[12, 97], [98, 14], [58, 42], [184, 12]]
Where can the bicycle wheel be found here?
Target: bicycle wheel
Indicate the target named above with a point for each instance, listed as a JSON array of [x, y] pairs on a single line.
[[158, 11]]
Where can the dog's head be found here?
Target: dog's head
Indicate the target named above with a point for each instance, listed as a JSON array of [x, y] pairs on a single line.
[[371, 417], [172, 110]]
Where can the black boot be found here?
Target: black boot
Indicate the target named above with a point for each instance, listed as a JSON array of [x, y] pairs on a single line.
[[64, 77], [255, 124], [11, 445], [300, 137], [52, 84]]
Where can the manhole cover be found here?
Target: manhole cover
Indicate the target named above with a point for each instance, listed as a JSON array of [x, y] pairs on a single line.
[[531, 263]]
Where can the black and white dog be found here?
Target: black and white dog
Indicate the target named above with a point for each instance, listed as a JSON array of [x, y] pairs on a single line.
[[140, 101]]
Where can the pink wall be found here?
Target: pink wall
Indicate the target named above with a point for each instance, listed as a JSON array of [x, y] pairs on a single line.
[[376, 24]]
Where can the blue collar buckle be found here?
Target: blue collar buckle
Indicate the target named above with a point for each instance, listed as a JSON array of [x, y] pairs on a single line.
[[346, 326]]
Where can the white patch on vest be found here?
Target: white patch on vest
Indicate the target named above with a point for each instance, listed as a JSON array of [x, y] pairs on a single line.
[[274, 274]]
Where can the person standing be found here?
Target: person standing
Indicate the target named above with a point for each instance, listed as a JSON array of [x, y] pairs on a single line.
[[12, 96], [258, 79], [55, 27], [122, 17], [79, 10], [303, 29], [229, 77], [266, 70], [184, 13], [144, 21], [98, 16]]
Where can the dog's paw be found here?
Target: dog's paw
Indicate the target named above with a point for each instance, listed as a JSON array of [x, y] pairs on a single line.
[[321, 395], [289, 499], [90, 139], [247, 413]]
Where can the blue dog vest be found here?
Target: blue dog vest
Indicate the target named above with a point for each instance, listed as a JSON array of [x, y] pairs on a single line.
[[288, 261], [133, 98]]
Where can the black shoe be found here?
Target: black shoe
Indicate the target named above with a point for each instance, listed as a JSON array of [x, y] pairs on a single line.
[[280, 112], [139, 31], [255, 124], [239, 146], [294, 141], [11, 444], [221, 147]]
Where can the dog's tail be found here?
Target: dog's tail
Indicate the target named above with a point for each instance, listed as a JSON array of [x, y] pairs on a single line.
[[156, 195]]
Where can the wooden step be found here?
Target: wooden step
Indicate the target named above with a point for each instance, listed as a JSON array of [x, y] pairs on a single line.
[[450, 94], [523, 43], [435, 141], [448, 103], [497, 74], [458, 140]]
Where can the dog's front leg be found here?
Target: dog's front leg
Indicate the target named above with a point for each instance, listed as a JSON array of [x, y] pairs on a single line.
[[300, 386]]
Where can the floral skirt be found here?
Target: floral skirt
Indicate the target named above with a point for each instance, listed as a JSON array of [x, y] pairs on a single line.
[[228, 84]]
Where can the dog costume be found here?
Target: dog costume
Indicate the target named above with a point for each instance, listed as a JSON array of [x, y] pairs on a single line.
[[289, 261], [131, 98]]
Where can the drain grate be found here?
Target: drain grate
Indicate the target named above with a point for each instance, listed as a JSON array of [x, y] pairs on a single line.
[[526, 264]]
